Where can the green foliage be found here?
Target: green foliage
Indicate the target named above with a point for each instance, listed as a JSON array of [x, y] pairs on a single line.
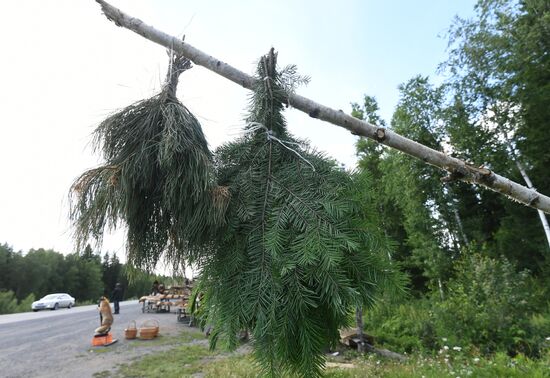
[[40, 272], [404, 327], [499, 114], [111, 271], [488, 307], [450, 364], [156, 180], [414, 208], [25, 304], [195, 360], [492, 111], [295, 256], [82, 278], [181, 361], [9, 303]]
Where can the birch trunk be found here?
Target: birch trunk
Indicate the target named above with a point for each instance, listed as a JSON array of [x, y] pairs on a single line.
[[359, 324], [458, 169], [460, 228], [542, 216], [440, 287]]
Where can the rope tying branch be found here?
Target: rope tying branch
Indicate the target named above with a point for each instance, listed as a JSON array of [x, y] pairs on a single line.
[[456, 167], [270, 135]]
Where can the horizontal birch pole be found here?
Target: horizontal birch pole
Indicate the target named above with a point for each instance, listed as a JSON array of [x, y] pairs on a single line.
[[458, 169]]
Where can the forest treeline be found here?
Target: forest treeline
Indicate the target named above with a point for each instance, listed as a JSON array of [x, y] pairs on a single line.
[[479, 264], [26, 277]]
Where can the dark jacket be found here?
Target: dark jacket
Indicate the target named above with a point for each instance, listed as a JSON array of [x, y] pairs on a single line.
[[117, 294]]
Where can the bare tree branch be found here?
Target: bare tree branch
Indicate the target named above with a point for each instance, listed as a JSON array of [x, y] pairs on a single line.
[[458, 169]]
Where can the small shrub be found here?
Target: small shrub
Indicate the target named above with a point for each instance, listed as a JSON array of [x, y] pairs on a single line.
[[26, 303], [405, 327], [487, 306], [8, 302]]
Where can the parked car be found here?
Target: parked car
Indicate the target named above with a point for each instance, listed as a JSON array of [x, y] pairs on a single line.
[[53, 302]]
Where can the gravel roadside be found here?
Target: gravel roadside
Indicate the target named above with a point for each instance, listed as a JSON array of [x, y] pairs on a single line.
[[58, 343]]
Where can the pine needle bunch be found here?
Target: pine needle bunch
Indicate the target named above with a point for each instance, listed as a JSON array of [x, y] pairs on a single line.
[[295, 257], [157, 179]]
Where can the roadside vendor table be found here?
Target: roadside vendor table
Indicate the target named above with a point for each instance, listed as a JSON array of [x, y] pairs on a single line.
[[160, 302]]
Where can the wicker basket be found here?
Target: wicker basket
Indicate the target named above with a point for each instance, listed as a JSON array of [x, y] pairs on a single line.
[[131, 331], [149, 329]]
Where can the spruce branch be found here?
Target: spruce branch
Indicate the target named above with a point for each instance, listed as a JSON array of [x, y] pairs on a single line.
[[284, 256]]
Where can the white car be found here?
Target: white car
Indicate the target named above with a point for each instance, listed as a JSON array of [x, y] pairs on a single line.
[[53, 302]]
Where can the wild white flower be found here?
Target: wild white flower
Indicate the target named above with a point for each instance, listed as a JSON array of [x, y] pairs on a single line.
[[445, 347], [548, 338], [446, 359], [444, 339], [457, 348], [476, 360]]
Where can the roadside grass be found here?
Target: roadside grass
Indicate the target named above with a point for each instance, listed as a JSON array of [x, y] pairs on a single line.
[[417, 366], [190, 360], [232, 366], [100, 350], [445, 365], [181, 361], [161, 340]]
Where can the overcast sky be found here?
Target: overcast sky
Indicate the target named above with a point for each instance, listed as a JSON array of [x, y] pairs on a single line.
[[64, 68]]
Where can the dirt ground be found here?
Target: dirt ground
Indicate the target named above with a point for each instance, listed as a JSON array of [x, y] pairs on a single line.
[[104, 361]]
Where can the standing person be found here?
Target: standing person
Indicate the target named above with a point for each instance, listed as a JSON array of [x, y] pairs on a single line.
[[116, 296], [155, 288]]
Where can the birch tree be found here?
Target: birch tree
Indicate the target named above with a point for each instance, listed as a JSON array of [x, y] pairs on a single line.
[[500, 67], [458, 169]]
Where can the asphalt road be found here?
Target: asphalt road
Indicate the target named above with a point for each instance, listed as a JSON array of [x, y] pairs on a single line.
[[50, 343]]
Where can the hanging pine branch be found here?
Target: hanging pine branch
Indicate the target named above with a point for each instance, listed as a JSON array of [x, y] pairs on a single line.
[[295, 257], [157, 179]]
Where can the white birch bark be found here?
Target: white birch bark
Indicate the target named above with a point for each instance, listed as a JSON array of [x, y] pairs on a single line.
[[542, 216], [458, 169], [359, 325], [460, 228]]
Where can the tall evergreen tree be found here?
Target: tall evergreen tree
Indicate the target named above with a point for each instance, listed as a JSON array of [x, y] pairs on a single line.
[[82, 277], [7, 256], [416, 210]]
